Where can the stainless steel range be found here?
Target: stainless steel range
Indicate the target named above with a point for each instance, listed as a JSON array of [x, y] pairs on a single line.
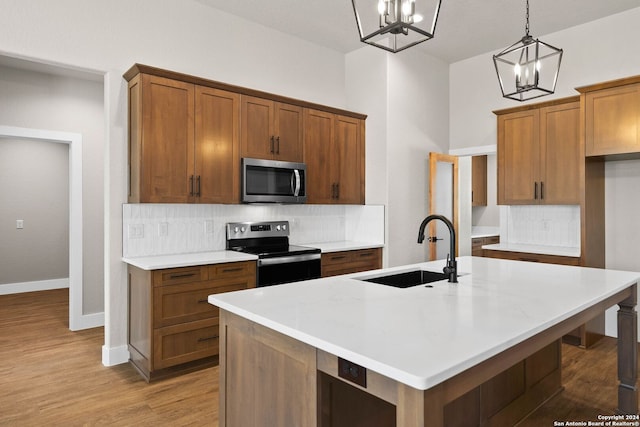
[[278, 261]]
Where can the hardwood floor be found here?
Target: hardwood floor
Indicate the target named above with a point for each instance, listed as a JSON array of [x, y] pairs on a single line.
[[50, 376]]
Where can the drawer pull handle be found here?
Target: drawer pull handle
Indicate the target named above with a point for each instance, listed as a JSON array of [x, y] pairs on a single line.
[[338, 257], [200, 301], [366, 254], [181, 275], [214, 337], [231, 270]]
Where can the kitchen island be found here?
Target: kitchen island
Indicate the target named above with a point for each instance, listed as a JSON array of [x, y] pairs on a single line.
[[307, 353]]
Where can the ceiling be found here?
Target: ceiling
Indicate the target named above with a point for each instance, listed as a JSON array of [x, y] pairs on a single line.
[[465, 28]]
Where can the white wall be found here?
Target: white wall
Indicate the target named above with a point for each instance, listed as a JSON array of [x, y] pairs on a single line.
[[602, 50], [406, 100], [31, 99]]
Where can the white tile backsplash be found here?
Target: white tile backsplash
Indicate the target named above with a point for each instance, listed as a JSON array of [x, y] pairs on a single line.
[[541, 225], [164, 229]]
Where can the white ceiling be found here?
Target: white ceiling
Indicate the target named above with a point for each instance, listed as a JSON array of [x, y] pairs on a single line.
[[465, 28]]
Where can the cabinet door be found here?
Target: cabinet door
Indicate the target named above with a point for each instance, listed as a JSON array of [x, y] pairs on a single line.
[[257, 134], [217, 158], [518, 158], [612, 121], [479, 181], [318, 137], [348, 161], [288, 132], [560, 154], [167, 148]]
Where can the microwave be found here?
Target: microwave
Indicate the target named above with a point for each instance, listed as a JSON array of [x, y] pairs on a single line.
[[273, 181]]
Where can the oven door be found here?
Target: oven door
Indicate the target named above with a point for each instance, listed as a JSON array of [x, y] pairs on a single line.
[[286, 269]]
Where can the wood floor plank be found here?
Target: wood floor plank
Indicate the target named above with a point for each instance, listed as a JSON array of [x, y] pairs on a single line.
[[50, 376]]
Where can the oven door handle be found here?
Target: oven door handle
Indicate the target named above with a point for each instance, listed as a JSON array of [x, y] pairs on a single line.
[[288, 259], [295, 182]]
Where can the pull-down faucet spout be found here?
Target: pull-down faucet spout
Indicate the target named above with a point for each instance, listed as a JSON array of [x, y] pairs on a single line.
[[451, 269]]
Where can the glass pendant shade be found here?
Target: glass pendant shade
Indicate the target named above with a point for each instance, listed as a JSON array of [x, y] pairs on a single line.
[[395, 25], [528, 69]]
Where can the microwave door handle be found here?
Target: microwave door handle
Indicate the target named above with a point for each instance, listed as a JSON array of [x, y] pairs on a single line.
[[296, 190]]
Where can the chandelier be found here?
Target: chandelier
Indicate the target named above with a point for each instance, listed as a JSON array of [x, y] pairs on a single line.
[[528, 68], [395, 25]]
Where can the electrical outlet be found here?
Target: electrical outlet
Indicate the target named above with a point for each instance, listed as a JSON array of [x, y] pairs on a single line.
[[19, 224], [136, 231], [163, 229]]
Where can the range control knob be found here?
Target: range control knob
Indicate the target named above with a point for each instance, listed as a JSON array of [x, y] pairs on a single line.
[[235, 229], [284, 226], [243, 229], [278, 227]]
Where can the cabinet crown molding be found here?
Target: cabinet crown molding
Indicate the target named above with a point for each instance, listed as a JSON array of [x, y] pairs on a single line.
[[154, 71]]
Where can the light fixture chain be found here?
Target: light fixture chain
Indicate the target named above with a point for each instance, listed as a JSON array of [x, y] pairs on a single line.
[[527, 26]]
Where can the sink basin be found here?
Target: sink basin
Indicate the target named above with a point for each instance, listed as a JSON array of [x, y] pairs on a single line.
[[408, 278]]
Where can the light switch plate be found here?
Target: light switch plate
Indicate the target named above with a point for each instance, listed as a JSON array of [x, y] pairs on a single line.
[[19, 224]]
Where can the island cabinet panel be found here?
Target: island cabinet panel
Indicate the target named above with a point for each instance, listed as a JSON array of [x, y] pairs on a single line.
[[334, 154], [271, 130], [183, 142], [266, 378], [345, 262], [612, 120], [539, 154], [172, 327]]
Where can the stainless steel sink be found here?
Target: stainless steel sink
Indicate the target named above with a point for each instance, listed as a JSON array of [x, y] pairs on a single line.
[[408, 279]]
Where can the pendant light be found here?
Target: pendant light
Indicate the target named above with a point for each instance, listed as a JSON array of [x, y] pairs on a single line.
[[528, 68], [395, 25]]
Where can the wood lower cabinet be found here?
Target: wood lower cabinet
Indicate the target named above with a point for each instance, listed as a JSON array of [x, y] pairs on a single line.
[[539, 154], [183, 142], [345, 262], [334, 154], [271, 130], [526, 256], [612, 118], [478, 242], [172, 327]]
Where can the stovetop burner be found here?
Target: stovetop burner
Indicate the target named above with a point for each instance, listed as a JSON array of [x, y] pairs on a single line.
[[264, 239]]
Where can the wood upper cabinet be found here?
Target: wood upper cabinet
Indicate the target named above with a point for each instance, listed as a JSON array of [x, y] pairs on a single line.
[[161, 139], [479, 181], [539, 154], [183, 142], [334, 154], [612, 120], [271, 130]]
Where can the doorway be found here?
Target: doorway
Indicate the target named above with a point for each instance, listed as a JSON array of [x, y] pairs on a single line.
[[443, 200], [74, 141]]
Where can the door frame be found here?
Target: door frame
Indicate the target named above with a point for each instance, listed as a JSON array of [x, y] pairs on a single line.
[[434, 158], [77, 320]]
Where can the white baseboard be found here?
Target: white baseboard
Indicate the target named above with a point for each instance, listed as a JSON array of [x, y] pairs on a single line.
[[115, 355], [40, 285], [87, 321]]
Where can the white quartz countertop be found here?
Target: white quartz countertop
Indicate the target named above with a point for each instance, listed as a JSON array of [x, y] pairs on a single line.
[[422, 336], [347, 245], [535, 249], [158, 262]]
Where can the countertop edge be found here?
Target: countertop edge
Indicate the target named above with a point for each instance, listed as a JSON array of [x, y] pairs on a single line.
[[160, 262]]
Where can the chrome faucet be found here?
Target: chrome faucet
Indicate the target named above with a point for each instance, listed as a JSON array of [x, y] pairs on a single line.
[[451, 269]]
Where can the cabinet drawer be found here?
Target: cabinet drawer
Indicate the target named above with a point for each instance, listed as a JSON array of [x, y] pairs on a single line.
[[173, 276], [231, 270], [491, 240], [185, 342], [346, 262]]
